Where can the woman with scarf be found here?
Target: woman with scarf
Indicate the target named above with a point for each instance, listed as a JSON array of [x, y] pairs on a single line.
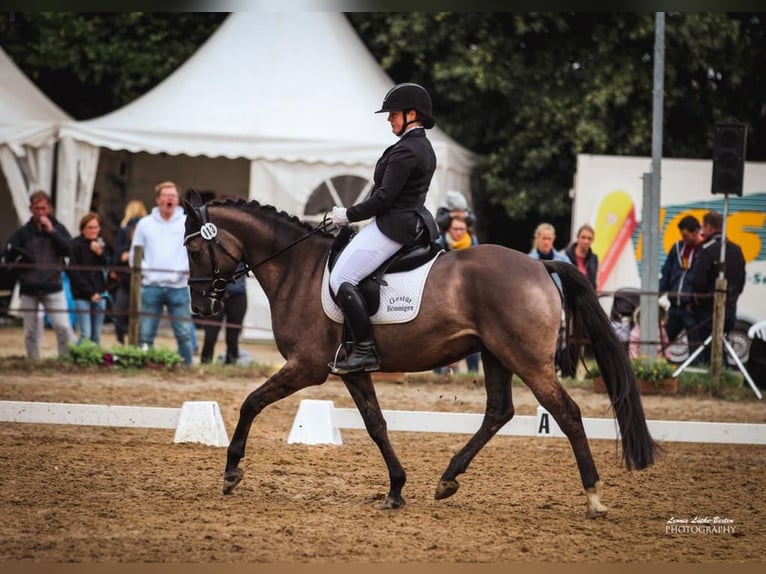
[[456, 237]]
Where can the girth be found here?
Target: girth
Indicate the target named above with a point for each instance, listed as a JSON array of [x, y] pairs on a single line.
[[406, 259]]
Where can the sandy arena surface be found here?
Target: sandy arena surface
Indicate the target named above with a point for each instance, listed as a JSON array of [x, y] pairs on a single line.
[[99, 494]]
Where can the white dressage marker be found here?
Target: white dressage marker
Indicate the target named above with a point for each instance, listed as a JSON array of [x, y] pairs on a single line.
[[319, 422], [195, 421]]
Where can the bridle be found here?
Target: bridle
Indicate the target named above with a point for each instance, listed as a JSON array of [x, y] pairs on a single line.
[[219, 281]]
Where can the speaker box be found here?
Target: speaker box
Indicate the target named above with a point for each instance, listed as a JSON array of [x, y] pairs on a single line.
[[729, 158]]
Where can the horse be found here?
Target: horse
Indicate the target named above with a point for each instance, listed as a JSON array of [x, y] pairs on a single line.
[[489, 299]]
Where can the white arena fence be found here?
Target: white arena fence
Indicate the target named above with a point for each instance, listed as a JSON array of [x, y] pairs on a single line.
[[195, 421], [319, 422]]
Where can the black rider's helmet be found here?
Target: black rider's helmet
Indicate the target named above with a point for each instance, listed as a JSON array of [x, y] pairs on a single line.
[[409, 96]]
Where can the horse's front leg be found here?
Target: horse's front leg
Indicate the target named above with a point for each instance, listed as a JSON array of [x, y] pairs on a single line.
[[499, 410], [292, 377], [363, 392]]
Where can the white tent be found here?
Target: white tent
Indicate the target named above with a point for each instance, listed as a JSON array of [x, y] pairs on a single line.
[[293, 93], [28, 125]]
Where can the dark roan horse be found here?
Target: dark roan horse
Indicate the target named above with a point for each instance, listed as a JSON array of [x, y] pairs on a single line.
[[489, 298]]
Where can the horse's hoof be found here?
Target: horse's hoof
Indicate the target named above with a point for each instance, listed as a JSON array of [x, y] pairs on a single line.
[[393, 502], [595, 508], [597, 512], [446, 488], [231, 480]]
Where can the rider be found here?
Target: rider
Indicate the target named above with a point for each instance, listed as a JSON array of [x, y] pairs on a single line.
[[396, 205]]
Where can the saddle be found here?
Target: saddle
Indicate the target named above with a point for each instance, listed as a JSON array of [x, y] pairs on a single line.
[[406, 259]]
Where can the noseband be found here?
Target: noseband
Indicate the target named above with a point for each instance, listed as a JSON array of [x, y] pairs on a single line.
[[218, 281]]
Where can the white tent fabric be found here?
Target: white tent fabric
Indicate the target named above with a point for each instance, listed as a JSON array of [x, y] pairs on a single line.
[[28, 126], [292, 92], [274, 86]]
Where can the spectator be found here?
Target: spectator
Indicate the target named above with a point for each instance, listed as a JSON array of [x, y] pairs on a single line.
[[89, 285], [134, 211], [707, 269], [233, 313], [44, 242], [581, 255], [675, 281], [458, 236], [455, 205], [165, 270], [542, 248], [542, 244]]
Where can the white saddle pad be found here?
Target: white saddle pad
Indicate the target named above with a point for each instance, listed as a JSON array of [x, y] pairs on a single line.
[[399, 299]]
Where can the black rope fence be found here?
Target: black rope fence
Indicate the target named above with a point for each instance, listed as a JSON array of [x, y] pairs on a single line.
[[14, 267]]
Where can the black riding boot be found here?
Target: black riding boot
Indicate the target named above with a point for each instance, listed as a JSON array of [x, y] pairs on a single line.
[[364, 355]]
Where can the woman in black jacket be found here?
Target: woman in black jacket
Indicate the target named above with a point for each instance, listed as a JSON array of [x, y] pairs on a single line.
[[581, 255], [89, 281], [396, 205]]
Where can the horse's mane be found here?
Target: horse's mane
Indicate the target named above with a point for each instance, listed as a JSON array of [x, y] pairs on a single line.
[[269, 211]]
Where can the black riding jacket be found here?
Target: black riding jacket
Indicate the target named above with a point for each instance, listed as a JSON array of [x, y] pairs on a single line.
[[401, 179]]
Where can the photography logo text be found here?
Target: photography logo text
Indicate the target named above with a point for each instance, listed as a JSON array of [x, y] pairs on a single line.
[[700, 525]]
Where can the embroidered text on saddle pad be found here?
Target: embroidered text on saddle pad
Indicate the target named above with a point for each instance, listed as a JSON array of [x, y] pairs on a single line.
[[399, 300]]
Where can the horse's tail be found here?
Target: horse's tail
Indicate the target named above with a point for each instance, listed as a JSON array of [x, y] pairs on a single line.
[[586, 317]]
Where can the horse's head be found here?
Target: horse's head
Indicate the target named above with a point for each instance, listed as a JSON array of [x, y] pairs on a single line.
[[213, 257]]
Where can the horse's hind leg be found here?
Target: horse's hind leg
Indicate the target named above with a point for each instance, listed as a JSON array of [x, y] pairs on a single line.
[[285, 382], [553, 398], [363, 392], [499, 410]]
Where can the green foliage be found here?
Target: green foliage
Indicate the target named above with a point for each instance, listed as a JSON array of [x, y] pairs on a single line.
[[89, 353], [689, 382], [526, 91], [86, 353], [653, 371], [529, 91], [94, 63]]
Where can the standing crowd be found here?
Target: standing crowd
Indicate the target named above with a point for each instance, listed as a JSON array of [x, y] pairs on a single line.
[[687, 280], [47, 256]]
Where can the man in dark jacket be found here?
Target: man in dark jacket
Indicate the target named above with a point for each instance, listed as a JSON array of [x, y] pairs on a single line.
[[706, 271], [676, 282], [44, 242]]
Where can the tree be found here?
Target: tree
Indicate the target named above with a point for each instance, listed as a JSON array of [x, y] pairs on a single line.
[[531, 91], [527, 91], [93, 63]]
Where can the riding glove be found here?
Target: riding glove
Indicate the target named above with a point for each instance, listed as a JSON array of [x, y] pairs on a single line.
[[339, 215]]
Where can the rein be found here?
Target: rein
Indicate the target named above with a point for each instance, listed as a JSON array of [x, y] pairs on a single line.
[[218, 282]]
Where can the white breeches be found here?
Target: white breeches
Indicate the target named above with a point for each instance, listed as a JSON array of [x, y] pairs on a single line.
[[366, 252]]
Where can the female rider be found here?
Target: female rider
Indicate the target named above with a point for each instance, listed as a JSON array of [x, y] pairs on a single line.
[[396, 205]]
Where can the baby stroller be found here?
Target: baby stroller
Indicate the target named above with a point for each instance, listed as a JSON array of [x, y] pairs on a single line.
[[622, 315]]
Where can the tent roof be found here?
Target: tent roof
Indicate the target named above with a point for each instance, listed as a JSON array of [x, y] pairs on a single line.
[[27, 116], [298, 86]]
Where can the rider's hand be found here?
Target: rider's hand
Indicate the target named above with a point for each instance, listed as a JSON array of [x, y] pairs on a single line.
[[339, 215]]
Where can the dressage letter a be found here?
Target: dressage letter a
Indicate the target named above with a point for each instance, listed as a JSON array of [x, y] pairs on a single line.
[[545, 425]]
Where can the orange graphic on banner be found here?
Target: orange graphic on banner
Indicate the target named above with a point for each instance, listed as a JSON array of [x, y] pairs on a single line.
[[614, 225]]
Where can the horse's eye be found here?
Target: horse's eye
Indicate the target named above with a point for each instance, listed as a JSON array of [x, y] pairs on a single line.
[[195, 255]]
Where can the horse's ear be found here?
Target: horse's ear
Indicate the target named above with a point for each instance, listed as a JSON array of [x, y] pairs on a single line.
[[189, 209], [194, 198]]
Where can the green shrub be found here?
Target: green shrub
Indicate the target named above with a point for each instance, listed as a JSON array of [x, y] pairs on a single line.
[[123, 356], [86, 353]]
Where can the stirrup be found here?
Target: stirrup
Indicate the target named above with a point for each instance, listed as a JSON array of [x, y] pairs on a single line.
[[343, 367], [334, 361], [339, 369]]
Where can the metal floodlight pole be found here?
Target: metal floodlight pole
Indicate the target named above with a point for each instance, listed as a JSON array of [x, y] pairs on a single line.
[[650, 212], [719, 305]]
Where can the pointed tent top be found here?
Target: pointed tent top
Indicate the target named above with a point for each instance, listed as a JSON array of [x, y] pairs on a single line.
[[290, 86], [27, 116]]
